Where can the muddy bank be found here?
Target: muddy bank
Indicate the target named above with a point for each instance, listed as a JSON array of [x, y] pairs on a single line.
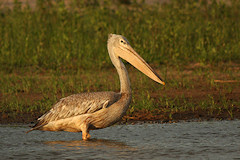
[[142, 116], [194, 93], [198, 115]]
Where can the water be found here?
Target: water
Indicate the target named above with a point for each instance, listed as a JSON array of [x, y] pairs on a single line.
[[186, 140]]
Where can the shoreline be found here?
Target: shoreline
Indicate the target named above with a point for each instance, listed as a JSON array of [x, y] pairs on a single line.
[[139, 117]]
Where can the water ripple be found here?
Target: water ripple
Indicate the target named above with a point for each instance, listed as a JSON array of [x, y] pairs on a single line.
[[191, 140]]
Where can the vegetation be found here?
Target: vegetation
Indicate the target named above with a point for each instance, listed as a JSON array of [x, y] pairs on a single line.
[[56, 49]]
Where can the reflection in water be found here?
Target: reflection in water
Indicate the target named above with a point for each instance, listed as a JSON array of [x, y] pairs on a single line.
[[194, 140], [94, 148], [78, 144]]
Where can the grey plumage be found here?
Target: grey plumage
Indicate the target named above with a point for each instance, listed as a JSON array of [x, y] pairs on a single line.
[[78, 104]]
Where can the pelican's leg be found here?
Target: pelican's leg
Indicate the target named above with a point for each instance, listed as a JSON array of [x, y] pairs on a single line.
[[84, 134], [84, 128], [88, 135]]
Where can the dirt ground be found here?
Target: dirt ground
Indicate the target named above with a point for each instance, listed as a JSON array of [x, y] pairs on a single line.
[[195, 95], [140, 116], [223, 87]]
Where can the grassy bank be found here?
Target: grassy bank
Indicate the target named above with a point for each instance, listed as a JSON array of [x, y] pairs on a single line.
[[54, 50], [190, 93]]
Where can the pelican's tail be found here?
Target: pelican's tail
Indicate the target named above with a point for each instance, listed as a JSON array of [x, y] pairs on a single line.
[[30, 130], [35, 127]]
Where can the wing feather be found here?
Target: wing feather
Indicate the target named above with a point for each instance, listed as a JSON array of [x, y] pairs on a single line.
[[78, 104]]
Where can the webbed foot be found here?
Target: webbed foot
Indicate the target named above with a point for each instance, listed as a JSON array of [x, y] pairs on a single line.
[[86, 136]]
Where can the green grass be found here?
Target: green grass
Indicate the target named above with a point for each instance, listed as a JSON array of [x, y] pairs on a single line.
[[55, 36], [36, 92], [55, 50]]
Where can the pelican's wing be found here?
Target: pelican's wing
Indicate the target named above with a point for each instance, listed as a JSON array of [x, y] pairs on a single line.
[[78, 104]]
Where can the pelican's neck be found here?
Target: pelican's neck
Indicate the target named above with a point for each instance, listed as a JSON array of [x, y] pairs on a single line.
[[124, 79], [122, 72]]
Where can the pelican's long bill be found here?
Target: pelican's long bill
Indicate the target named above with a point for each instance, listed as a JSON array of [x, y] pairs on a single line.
[[127, 53]]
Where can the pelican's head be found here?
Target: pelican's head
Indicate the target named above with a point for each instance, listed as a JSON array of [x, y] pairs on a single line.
[[118, 46]]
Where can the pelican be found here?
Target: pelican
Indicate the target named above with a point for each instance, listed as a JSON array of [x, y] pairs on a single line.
[[89, 111]]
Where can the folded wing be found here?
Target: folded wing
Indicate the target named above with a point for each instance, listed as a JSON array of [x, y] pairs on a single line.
[[78, 104]]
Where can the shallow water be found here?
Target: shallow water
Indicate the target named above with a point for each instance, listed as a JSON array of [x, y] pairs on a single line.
[[186, 140]]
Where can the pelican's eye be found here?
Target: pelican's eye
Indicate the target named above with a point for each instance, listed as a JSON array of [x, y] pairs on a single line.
[[122, 41]]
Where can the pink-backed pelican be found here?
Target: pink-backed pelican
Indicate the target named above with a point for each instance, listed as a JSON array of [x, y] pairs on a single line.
[[88, 111]]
